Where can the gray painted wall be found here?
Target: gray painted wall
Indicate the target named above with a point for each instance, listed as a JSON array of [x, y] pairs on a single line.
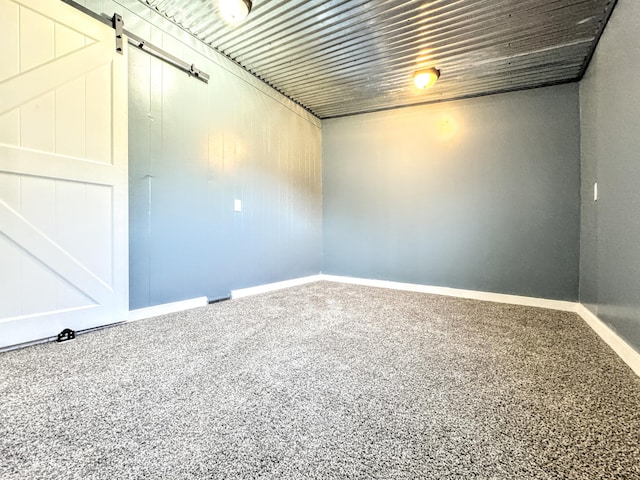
[[478, 194], [194, 149], [610, 124]]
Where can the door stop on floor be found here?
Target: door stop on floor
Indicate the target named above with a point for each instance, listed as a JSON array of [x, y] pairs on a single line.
[[66, 334]]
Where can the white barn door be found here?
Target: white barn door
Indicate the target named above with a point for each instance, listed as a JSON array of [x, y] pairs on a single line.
[[63, 172]]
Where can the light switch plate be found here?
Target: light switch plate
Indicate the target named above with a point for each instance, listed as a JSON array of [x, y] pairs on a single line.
[[237, 205]]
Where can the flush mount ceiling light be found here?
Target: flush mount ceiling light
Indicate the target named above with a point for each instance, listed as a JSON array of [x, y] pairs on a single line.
[[234, 11], [426, 78]]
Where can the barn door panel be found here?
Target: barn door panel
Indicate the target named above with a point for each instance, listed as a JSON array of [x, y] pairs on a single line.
[[63, 172]]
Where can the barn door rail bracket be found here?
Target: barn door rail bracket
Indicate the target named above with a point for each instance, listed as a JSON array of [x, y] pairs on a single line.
[[117, 23], [165, 56]]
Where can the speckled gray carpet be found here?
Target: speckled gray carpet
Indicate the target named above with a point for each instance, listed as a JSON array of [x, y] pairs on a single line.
[[325, 381]]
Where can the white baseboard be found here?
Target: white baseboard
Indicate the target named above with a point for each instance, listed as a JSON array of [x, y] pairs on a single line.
[[165, 308], [456, 292], [270, 287], [625, 351], [617, 344]]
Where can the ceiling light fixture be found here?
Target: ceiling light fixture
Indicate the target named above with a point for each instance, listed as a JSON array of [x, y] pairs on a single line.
[[426, 78], [235, 11]]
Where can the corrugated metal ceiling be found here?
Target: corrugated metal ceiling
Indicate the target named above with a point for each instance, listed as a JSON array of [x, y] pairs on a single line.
[[341, 57]]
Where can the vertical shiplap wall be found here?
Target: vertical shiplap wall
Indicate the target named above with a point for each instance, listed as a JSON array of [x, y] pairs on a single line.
[[479, 194], [610, 147], [194, 149]]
